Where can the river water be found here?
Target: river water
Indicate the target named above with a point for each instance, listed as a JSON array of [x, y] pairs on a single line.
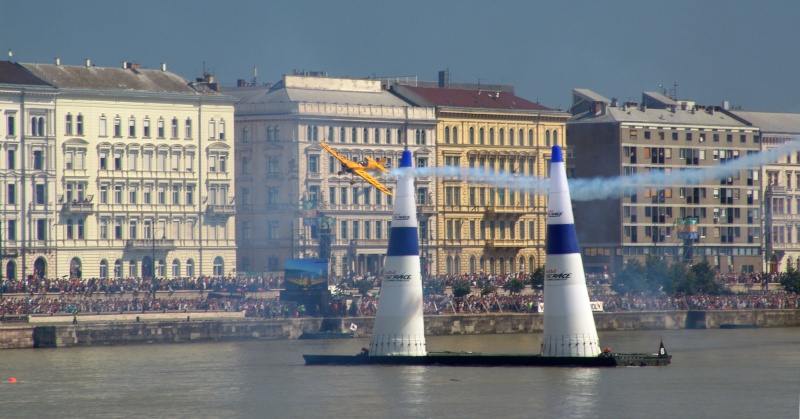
[[715, 374]]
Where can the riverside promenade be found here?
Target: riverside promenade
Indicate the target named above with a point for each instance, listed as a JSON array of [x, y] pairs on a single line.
[[175, 317]]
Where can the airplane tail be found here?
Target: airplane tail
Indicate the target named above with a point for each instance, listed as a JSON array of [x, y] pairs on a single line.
[[378, 164]]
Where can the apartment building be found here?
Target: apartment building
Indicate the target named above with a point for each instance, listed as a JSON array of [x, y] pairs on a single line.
[[27, 179], [781, 182], [139, 173], [291, 203], [483, 228], [700, 218]]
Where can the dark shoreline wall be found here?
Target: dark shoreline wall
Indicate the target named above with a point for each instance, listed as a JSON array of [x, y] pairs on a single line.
[[18, 336]]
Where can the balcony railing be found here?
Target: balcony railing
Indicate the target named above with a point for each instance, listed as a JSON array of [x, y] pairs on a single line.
[[221, 209], [76, 207], [158, 244]]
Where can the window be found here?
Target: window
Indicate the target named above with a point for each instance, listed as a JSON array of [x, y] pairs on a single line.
[[41, 194], [146, 127], [189, 195], [103, 127], [68, 125], [132, 194], [222, 130], [11, 231], [188, 128], [212, 129], [176, 195], [117, 194], [41, 229], [174, 128], [11, 124], [103, 194], [313, 163], [160, 127], [530, 137], [11, 196], [117, 127], [132, 127], [38, 160], [147, 194]]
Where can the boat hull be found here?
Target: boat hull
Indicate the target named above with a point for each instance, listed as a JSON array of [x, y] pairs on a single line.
[[477, 360]]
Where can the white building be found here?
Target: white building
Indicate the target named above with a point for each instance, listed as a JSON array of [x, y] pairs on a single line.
[[27, 179], [291, 202], [141, 170]]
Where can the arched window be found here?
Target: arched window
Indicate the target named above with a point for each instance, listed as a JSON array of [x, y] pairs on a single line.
[[471, 135], [491, 266], [133, 269], [491, 136], [366, 136], [511, 137], [472, 266], [11, 271], [103, 268], [354, 135], [447, 135], [457, 265], [481, 137], [190, 268], [342, 135], [503, 266], [377, 136], [530, 265], [482, 264], [117, 268], [160, 268], [449, 265], [219, 265], [176, 268], [555, 137], [547, 138], [75, 268], [455, 135], [502, 137], [521, 264], [530, 137]]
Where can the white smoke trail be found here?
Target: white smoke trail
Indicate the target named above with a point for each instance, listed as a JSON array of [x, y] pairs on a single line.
[[607, 188]]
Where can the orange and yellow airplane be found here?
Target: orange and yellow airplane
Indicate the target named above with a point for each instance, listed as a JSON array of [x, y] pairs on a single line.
[[361, 168]]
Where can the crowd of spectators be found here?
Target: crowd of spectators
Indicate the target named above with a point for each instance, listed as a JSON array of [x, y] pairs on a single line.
[[64, 296]]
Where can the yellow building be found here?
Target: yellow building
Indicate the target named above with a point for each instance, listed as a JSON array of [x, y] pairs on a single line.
[[141, 170], [480, 227]]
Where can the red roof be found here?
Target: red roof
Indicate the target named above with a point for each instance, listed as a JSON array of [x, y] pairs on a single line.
[[463, 98]]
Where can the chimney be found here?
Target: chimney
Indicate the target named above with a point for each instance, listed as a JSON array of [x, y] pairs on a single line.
[[125, 65], [58, 61], [599, 108], [444, 78], [88, 62], [164, 67]]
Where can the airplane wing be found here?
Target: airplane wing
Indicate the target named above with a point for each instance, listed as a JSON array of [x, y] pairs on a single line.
[[335, 154], [374, 182], [378, 164]]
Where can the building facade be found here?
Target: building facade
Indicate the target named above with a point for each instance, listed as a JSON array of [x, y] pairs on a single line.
[[27, 179], [781, 182], [142, 176], [719, 220], [291, 203], [487, 228]]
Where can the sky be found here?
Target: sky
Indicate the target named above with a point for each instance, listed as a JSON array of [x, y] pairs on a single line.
[[743, 52]]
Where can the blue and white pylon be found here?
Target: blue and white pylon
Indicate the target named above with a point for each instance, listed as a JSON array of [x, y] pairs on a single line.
[[569, 328], [399, 324]]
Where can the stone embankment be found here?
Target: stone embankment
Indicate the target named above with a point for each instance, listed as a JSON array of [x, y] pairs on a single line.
[[121, 329]]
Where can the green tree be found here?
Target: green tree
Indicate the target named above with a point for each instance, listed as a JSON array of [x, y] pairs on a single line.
[[631, 280], [514, 286], [790, 280], [461, 289], [433, 287], [537, 278], [656, 276], [488, 289], [364, 286], [697, 279]]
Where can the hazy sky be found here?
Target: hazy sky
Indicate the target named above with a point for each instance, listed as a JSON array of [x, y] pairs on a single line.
[[745, 52]]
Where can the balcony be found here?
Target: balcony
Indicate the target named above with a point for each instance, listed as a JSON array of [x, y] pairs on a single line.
[[221, 209], [149, 244], [76, 207], [504, 211], [506, 244], [776, 190]]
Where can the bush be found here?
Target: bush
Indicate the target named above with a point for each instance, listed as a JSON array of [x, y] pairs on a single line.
[[514, 286], [461, 289]]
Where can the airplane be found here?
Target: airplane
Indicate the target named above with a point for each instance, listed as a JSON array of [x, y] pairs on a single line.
[[361, 168]]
